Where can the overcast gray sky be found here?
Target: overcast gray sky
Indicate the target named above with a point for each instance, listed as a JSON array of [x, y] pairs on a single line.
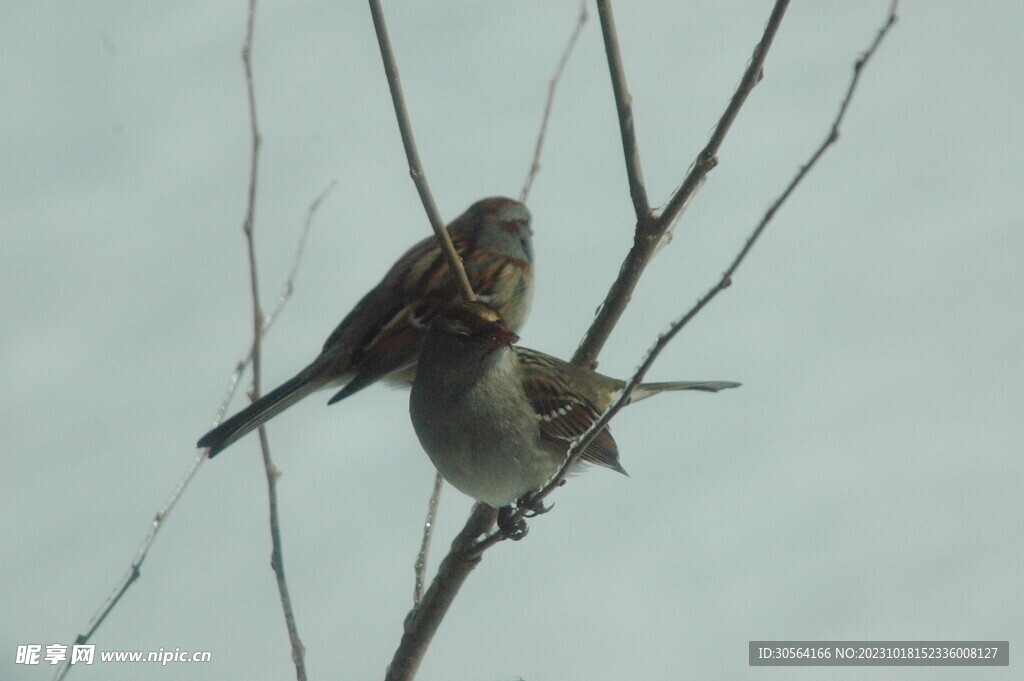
[[864, 483]]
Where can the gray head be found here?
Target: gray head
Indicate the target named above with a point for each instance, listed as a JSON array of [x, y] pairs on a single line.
[[501, 225]]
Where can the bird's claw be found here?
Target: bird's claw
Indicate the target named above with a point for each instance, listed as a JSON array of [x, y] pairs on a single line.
[[509, 528], [533, 507]]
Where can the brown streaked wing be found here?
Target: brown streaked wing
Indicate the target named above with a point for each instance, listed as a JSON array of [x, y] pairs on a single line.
[[565, 415], [376, 362], [383, 303], [424, 287]]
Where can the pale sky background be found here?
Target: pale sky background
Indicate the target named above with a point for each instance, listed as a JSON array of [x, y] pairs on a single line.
[[864, 483]]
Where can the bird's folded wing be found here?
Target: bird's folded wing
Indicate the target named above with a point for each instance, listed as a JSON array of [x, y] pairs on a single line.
[[565, 415]]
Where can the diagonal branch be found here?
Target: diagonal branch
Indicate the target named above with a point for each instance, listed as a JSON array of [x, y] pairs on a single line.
[[135, 569], [424, 619], [649, 232], [428, 526], [707, 159], [419, 178], [289, 283]]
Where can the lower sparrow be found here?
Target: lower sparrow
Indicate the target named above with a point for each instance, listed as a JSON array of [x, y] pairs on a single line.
[[497, 420]]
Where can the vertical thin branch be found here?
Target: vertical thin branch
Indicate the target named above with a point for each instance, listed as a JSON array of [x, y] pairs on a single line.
[[624, 105], [419, 178], [277, 561], [135, 568], [650, 232], [552, 86], [250, 210], [276, 556], [420, 568]]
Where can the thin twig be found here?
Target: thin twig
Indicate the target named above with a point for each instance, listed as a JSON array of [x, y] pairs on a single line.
[[649, 233], [420, 568], [276, 556], [277, 560], [423, 620], [419, 178], [287, 289], [552, 86], [289, 283], [428, 526], [579, 445], [135, 568], [624, 105]]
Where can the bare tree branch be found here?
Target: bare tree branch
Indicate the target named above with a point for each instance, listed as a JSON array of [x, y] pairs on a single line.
[[420, 568], [552, 86], [624, 105], [135, 569], [277, 559], [277, 554], [428, 526], [577, 448], [419, 178], [423, 620], [289, 283], [649, 232], [707, 159]]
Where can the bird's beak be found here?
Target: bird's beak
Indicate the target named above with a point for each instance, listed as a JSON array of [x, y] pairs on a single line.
[[500, 336]]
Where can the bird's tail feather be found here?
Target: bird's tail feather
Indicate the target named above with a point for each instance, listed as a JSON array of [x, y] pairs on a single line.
[[260, 411], [645, 390]]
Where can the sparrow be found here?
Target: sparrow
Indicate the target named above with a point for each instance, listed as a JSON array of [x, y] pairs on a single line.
[[381, 337], [497, 420]]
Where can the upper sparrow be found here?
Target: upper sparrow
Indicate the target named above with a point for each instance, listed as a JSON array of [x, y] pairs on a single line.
[[381, 336], [497, 420]]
